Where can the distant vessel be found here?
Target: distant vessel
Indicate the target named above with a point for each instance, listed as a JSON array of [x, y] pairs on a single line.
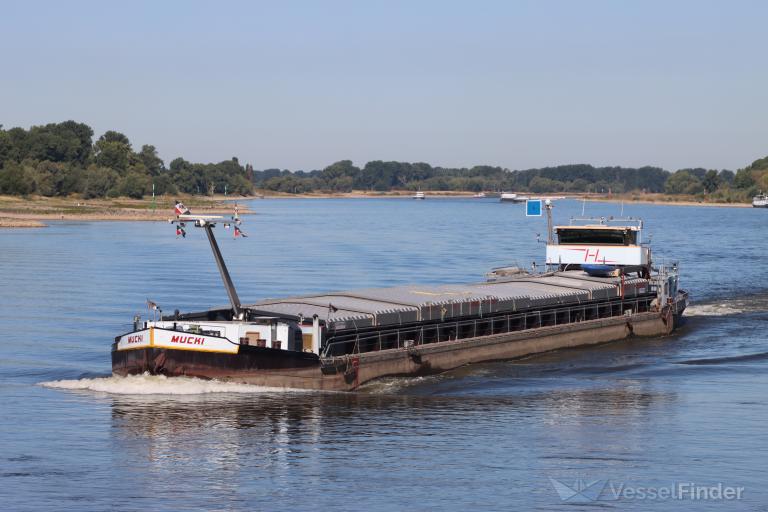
[[479, 195], [509, 197], [419, 195], [339, 340], [760, 201]]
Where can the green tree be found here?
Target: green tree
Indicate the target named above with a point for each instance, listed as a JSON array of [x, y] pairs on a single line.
[[342, 184], [153, 163], [744, 179], [18, 147], [340, 169], [578, 185], [113, 150], [113, 136], [759, 165], [49, 178], [14, 180], [727, 176], [179, 164], [542, 185], [683, 182], [6, 146], [80, 136], [165, 185], [98, 181], [711, 181], [134, 185]]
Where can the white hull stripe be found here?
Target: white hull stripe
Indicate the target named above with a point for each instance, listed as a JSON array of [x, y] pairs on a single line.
[[161, 338]]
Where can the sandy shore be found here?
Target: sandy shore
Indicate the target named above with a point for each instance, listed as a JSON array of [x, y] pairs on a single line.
[[13, 222], [629, 198], [664, 201], [361, 195], [29, 212]]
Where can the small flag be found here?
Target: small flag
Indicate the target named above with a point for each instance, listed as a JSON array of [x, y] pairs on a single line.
[[180, 209], [152, 305], [239, 232], [332, 308]]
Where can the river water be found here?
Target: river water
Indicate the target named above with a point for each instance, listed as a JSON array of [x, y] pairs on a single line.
[[688, 409]]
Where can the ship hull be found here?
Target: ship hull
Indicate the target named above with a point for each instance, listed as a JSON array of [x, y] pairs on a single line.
[[288, 369], [176, 362]]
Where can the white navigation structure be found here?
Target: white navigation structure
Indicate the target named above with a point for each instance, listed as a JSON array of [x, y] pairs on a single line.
[[599, 245], [208, 222]]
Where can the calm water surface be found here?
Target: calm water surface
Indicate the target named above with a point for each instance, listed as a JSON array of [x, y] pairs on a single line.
[[692, 407]]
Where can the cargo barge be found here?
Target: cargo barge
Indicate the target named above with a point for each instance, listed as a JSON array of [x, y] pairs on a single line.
[[600, 285]]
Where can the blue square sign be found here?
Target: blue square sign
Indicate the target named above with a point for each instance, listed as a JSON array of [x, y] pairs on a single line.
[[533, 208]]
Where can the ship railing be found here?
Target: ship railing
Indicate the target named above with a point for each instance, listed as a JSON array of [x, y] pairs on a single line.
[[414, 336], [665, 281], [610, 220]]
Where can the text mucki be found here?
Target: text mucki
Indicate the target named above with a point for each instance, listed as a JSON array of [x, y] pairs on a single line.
[[189, 340]]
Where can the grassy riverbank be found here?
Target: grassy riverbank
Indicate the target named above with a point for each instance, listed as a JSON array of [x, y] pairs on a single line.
[[34, 210], [674, 200]]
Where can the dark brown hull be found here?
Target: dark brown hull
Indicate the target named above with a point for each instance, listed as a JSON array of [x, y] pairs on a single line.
[[163, 361], [281, 368]]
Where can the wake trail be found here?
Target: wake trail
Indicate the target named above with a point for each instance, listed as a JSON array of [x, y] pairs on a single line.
[[159, 385]]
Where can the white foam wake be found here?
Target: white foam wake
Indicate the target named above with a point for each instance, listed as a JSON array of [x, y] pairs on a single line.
[[390, 385], [713, 310], [158, 385]]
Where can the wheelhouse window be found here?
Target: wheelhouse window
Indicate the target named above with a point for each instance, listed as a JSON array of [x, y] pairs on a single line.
[[596, 237]]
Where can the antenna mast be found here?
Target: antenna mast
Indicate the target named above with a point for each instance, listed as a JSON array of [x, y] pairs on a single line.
[[550, 234], [228, 284], [208, 222]]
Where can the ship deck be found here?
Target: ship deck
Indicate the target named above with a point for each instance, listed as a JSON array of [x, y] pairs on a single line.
[[373, 307]]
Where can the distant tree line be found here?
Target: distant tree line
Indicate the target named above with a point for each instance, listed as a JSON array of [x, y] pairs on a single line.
[[343, 176], [723, 186], [60, 159], [382, 176]]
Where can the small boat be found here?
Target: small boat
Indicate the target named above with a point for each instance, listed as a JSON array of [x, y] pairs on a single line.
[[419, 195], [509, 197], [760, 201], [479, 195]]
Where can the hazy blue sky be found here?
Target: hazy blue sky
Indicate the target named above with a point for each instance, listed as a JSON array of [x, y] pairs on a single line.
[[299, 85]]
